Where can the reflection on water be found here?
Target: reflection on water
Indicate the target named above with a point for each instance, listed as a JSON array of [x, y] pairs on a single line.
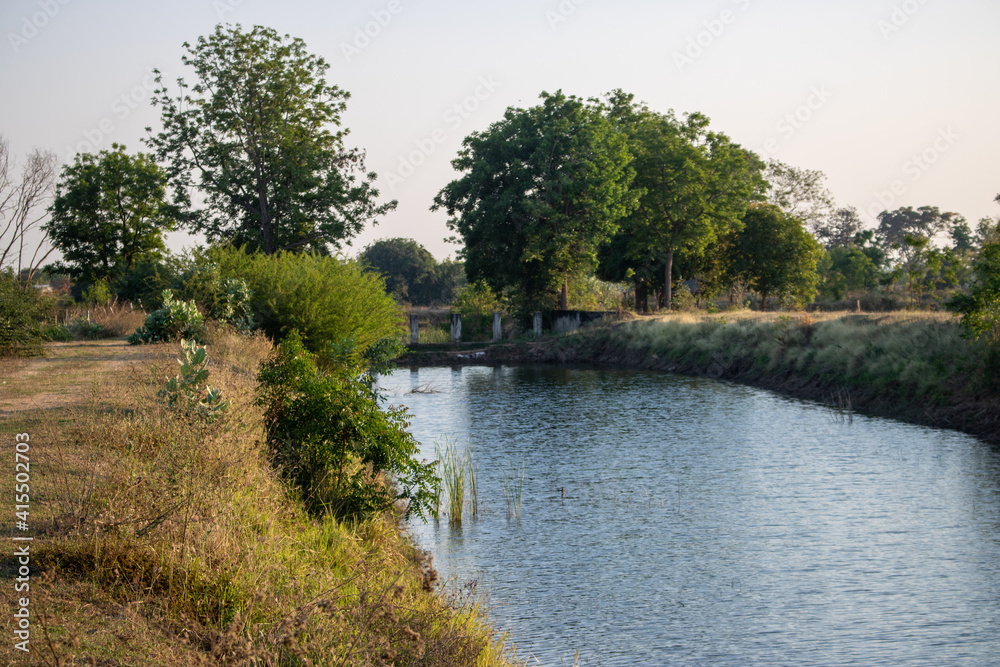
[[670, 520]]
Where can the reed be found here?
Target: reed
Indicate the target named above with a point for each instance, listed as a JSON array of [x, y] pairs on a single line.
[[458, 472], [513, 483]]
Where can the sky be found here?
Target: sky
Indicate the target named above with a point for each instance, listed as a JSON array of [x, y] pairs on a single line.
[[896, 101]]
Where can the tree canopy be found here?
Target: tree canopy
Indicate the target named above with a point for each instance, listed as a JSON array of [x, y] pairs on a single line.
[[109, 213], [542, 189], [774, 254], [259, 134], [692, 184], [411, 273]]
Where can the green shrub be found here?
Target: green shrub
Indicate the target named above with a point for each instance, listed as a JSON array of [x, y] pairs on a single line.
[[176, 320], [324, 298], [330, 437], [55, 332], [83, 329], [222, 299], [97, 294], [20, 311]]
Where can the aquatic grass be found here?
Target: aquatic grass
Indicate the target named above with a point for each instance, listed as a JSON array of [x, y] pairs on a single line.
[[513, 484], [458, 473]]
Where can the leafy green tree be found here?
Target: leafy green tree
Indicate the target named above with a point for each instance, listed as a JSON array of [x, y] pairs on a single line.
[[409, 270], [259, 135], [775, 255], [693, 184], [980, 306], [110, 213], [541, 190], [20, 311], [847, 269]]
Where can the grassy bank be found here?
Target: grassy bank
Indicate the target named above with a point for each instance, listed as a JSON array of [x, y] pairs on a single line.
[[909, 366], [165, 540]]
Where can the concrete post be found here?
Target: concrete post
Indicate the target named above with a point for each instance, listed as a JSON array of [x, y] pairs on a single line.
[[414, 330], [456, 327], [538, 323], [497, 329]]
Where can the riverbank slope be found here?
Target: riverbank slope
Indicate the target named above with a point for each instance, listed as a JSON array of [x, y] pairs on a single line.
[[914, 367], [161, 538]]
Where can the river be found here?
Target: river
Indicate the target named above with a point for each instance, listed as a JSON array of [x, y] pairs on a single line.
[[669, 520]]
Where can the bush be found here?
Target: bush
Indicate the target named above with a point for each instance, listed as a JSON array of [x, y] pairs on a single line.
[[325, 299], [222, 299], [20, 311], [176, 320], [330, 437]]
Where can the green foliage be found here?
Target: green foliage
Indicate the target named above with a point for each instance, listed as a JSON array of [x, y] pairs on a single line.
[[411, 273], [110, 213], [223, 299], [20, 311], [259, 134], [98, 293], [332, 438], [478, 299], [541, 190], [775, 255], [175, 320], [693, 185], [144, 282], [189, 392], [324, 298], [980, 306]]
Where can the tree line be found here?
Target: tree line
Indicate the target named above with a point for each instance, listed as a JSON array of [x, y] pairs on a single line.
[[252, 153]]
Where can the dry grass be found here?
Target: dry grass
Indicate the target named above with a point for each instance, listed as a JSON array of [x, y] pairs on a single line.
[[165, 540]]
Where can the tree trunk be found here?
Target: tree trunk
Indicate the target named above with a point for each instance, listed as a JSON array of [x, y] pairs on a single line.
[[564, 294], [641, 296], [667, 282]]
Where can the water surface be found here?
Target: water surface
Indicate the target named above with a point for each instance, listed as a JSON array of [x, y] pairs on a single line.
[[678, 521]]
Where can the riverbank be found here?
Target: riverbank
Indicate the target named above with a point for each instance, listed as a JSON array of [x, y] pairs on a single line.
[[162, 539], [914, 367]]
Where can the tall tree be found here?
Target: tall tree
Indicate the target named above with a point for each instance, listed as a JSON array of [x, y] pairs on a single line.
[[22, 211], [542, 189], [259, 134], [693, 184], [110, 212], [839, 228], [775, 254], [926, 221], [411, 273], [801, 193]]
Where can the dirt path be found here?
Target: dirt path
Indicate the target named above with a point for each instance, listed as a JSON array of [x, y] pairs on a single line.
[[64, 377]]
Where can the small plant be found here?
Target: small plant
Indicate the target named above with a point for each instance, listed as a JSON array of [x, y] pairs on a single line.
[[457, 471], [176, 320], [188, 391], [513, 483]]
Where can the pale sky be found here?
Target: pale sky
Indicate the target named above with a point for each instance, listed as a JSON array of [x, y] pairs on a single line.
[[896, 101]]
